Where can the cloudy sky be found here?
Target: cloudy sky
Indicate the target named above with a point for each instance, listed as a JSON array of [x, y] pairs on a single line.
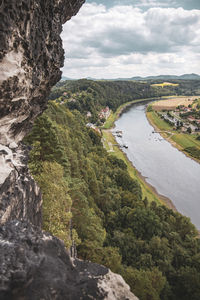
[[126, 38]]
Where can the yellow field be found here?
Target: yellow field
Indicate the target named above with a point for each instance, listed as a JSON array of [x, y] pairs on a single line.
[[172, 103], [165, 84]]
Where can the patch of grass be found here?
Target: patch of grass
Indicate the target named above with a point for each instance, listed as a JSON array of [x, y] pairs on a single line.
[[110, 121], [106, 140], [158, 122], [186, 140], [193, 151]]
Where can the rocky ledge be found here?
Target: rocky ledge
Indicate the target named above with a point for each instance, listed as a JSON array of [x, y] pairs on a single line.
[[35, 265]]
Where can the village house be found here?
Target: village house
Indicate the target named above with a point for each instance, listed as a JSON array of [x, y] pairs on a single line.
[[104, 113], [169, 119], [89, 114], [92, 126]]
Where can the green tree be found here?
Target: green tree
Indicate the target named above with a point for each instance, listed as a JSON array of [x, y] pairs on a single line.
[[147, 285], [56, 201], [189, 130], [45, 141]]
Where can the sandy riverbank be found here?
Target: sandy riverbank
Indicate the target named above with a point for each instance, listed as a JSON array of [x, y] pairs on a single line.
[[164, 200]]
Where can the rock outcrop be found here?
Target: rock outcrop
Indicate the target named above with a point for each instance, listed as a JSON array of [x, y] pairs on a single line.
[[31, 56], [20, 197], [34, 264]]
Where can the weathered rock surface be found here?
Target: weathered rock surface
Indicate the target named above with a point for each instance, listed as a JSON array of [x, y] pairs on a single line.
[[31, 55], [20, 195], [35, 265]]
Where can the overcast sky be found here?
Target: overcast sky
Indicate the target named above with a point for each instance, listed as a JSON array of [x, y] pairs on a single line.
[[126, 38]]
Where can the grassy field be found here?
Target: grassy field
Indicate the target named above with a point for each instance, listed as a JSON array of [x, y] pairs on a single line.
[[109, 141], [165, 84], [172, 103], [186, 140]]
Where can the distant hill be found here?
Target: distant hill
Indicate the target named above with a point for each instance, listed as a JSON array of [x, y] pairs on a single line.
[[191, 76], [164, 77], [66, 78]]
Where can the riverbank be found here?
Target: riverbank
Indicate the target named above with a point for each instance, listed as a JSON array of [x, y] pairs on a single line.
[[110, 144], [114, 116], [147, 190], [176, 139]]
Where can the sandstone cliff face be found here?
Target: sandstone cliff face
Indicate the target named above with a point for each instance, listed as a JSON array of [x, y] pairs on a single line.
[[34, 264], [20, 196], [31, 55]]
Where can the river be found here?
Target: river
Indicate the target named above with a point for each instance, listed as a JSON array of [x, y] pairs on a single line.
[[168, 170]]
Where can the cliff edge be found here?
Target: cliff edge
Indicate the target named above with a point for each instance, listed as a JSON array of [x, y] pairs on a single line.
[[31, 56]]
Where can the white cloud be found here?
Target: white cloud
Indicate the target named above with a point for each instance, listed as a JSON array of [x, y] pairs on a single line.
[[152, 3], [124, 41]]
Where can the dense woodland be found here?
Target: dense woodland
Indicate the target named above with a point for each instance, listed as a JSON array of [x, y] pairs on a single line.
[[91, 95], [155, 249]]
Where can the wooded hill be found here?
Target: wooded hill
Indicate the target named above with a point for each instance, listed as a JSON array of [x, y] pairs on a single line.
[[87, 95], [155, 249]]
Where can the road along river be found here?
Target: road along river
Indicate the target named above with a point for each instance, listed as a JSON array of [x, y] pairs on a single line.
[[168, 170]]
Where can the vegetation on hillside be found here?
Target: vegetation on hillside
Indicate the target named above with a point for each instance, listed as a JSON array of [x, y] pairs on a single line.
[[155, 249], [87, 95]]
